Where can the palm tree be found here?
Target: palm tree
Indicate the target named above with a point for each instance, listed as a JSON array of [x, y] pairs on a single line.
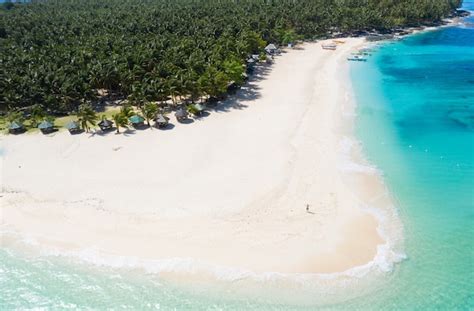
[[234, 70], [120, 120], [127, 111], [149, 111], [87, 116], [193, 51], [37, 115]]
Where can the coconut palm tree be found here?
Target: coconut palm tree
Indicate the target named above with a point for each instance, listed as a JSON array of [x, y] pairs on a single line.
[[149, 111], [87, 116], [127, 111], [120, 120], [195, 49], [37, 115]]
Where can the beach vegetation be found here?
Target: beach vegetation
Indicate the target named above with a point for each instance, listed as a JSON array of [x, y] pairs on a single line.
[[120, 120], [87, 116], [147, 51], [149, 111]]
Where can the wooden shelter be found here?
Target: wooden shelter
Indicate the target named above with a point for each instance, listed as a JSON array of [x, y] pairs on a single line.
[[198, 109], [250, 67], [15, 127], [161, 121], [105, 125], [73, 127], [46, 127], [136, 120], [271, 49], [181, 115]]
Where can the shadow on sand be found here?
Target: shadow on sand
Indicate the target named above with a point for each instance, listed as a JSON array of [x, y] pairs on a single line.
[[249, 92]]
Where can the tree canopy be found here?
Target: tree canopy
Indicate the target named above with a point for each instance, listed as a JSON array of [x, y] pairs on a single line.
[[57, 53]]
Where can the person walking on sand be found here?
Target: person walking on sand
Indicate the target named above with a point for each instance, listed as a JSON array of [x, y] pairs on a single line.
[[307, 208]]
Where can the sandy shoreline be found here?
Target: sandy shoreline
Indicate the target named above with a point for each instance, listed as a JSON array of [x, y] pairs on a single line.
[[228, 190]]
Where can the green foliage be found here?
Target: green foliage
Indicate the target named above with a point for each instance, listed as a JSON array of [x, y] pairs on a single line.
[[50, 119], [127, 111], [120, 120], [37, 115], [87, 116], [15, 116], [192, 109], [57, 53], [214, 82], [149, 111], [234, 70], [288, 36]]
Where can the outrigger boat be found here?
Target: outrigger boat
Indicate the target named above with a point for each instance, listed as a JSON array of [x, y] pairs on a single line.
[[357, 58], [361, 53], [329, 46], [366, 50]]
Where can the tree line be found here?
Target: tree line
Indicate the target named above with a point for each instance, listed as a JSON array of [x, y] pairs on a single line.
[[56, 54]]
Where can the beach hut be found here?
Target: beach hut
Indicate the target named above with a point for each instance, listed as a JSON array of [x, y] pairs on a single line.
[[161, 121], [232, 87], [16, 127], [271, 49], [46, 127], [105, 125], [196, 109], [251, 65], [73, 127], [181, 115], [136, 121]]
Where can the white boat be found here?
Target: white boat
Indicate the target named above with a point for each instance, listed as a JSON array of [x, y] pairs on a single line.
[[329, 46], [357, 58]]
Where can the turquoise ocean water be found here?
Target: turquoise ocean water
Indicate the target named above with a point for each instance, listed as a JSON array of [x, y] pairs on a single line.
[[416, 123]]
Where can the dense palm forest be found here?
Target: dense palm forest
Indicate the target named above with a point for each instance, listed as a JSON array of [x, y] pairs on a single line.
[[56, 54]]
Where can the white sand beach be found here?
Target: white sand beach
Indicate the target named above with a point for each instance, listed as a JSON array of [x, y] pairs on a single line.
[[230, 189]]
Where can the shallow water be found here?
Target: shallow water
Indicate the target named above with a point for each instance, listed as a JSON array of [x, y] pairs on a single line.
[[416, 122]]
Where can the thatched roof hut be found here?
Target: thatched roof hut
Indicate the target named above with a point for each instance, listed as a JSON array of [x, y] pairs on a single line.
[[15, 127], [271, 49], [161, 121], [73, 127], [199, 107], [105, 124], [136, 120], [46, 127], [181, 114]]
